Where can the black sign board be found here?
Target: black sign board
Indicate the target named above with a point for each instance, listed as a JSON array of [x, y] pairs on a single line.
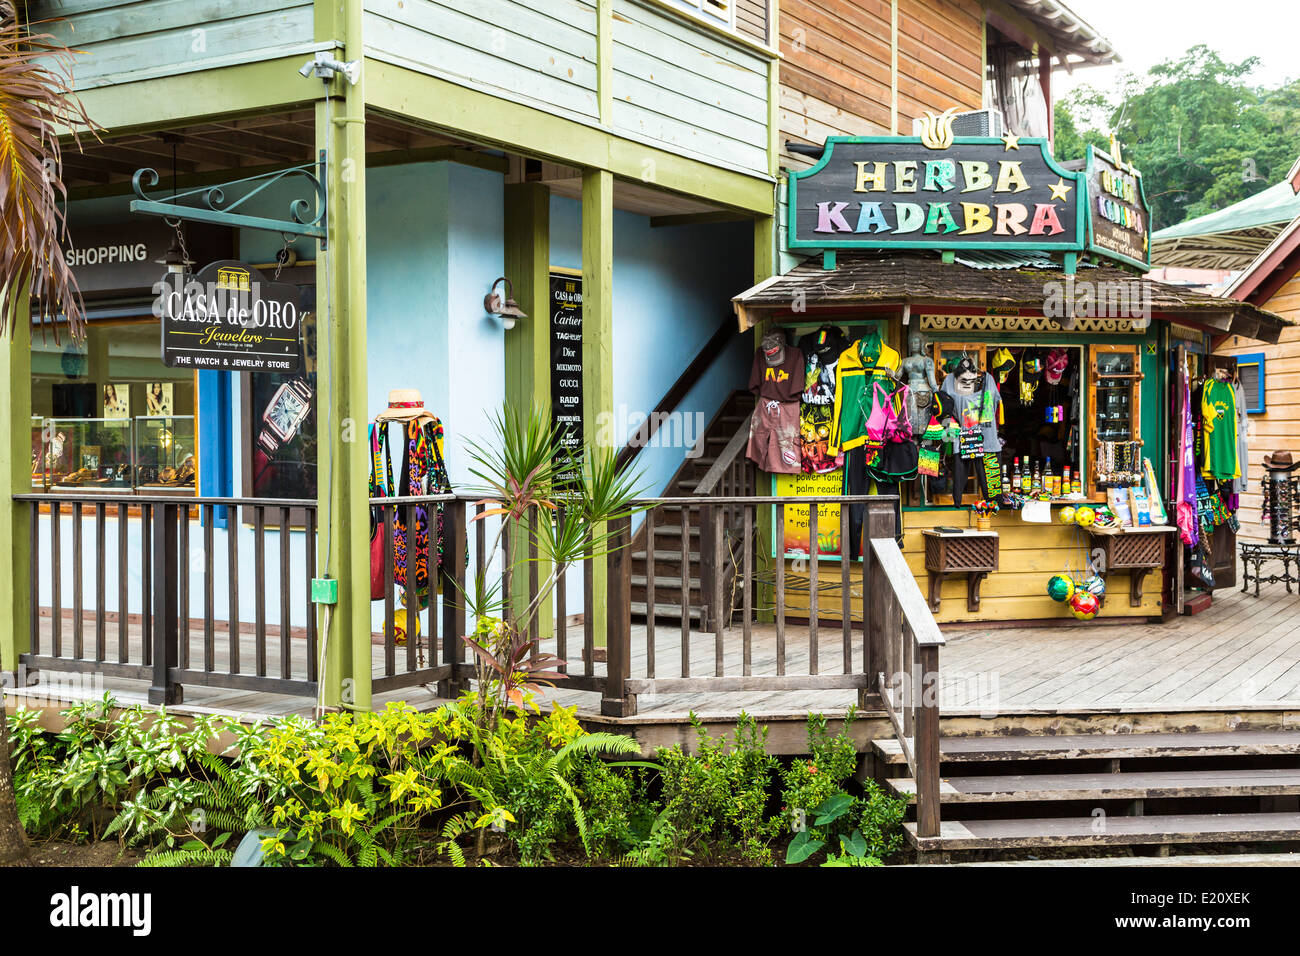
[[566, 362], [229, 317], [936, 192], [125, 257], [1119, 218]]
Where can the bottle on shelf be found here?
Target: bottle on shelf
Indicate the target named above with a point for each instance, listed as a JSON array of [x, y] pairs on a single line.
[[1066, 487], [1005, 476], [1049, 484], [1026, 478], [1015, 475], [1036, 484]]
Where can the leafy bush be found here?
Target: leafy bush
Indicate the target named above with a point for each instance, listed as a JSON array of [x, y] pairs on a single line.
[[720, 794]]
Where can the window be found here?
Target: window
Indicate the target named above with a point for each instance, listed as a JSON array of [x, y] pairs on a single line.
[[719, 12], [1250, 372], [107, 415]]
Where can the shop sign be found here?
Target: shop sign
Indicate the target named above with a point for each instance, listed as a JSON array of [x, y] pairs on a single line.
[[566, 363], [229, 317], [1119, 218], [798, 524], [125, 256], [936, 191]]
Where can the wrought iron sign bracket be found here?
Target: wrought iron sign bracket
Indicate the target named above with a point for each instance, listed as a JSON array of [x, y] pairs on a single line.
[[210, 204]]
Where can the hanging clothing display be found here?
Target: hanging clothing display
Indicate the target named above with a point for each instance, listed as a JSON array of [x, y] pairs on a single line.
[[978, 416], [1243, 452], [821, 350], [424, 472], [1219, 423], [1185, 510], [777, 380], [865, 361]]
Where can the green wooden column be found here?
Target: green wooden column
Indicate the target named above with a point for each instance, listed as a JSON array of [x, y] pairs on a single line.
[[343, 493], [16, 478], [598, 343], [527, 345]]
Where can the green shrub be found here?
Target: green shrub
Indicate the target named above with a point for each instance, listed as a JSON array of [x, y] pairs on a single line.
[[720, 793]]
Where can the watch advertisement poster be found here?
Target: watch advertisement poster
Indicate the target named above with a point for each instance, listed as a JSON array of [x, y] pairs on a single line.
[[280, 415], [566, 363], [229, 317]]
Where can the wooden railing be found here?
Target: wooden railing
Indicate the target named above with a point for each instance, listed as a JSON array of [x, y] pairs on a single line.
[[900, 619], [162, 562], [725, 534]]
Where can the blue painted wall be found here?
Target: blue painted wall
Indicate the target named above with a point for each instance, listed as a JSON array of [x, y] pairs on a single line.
[[672, 287]]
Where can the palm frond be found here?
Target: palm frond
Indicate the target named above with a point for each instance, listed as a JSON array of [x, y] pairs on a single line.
[[37, 102]]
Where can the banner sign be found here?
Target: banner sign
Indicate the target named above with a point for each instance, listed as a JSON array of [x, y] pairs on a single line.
[[936, 191], [229, 317], [566, 363], [1119, 218], [798, 521]]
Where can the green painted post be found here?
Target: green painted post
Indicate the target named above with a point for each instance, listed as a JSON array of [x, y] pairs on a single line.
[[343, 495], [598, 344], [527, 345], [16, 478]]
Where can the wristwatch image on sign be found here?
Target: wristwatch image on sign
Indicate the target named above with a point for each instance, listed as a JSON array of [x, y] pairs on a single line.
[[284, 414]]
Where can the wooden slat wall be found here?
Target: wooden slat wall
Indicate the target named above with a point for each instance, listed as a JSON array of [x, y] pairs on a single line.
[[835, 78], [123, 39], [1029, 555], [685, 88], [542, 52], [1278, 429], [751, 19]]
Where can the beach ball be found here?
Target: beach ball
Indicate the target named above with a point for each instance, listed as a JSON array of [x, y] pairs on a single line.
[[1095, 585], [400, 628], [1084, 606], [1085, 516], [1067, 514], [1060, 587]]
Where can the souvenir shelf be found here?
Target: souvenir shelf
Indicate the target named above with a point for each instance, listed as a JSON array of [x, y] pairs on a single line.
[[972, 553], [1114, 390], [1139, 551]]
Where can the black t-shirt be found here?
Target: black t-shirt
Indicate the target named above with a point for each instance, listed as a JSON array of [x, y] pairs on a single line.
[[780, 383]]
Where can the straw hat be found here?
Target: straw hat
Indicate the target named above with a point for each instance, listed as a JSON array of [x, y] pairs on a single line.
[[404, 404]]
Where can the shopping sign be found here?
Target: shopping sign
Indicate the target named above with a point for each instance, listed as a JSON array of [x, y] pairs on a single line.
[[1119, 218], [229, 317], [936, 191]]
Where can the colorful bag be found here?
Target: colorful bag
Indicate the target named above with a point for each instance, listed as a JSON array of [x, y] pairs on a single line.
[[379, 487]]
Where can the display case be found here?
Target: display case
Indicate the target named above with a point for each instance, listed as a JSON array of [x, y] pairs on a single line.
[[1115, 429], [85, 454], [164, 453]]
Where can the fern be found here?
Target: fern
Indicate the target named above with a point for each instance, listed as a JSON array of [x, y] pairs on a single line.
[[171, 858], [334, 853]]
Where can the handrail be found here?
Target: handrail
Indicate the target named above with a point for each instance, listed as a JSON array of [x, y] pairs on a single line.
[[730, 452], [690, 376], [925, 630], [907, 641], [125, 498]]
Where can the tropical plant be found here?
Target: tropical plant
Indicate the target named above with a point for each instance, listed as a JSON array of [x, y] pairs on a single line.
[[556, 503], [719, 794], [37, 103]]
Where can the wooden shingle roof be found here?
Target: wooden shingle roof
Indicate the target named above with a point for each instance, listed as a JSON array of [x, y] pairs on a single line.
[[924, 280]]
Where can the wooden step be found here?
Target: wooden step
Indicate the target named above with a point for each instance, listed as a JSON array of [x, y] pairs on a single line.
[[1110, 831], [1153, 785], [661, 556], [1103, 746], [666, 581], [670, 612]]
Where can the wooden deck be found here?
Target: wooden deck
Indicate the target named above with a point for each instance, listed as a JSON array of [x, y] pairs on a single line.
[[1242, 654]]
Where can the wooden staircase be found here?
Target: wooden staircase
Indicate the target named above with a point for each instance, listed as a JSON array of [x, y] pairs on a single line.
[[669, 547], [1008, 793]]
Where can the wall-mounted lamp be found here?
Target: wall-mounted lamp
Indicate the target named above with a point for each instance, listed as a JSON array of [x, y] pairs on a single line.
[[507, 308]]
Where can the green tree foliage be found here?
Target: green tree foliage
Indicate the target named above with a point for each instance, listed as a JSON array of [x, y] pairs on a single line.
[[1202, 135]]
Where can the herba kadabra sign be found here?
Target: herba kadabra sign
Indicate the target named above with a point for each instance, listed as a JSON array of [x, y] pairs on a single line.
[[936, 191], [229, 317]]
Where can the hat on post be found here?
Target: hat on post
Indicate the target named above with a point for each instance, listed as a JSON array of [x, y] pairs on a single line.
[[403, 405], [1280, 461]]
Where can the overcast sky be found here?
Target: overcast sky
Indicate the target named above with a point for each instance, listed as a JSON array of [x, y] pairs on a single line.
[[1146, 32]]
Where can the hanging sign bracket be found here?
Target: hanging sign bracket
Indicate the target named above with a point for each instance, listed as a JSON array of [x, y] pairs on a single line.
[[211, 204]]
